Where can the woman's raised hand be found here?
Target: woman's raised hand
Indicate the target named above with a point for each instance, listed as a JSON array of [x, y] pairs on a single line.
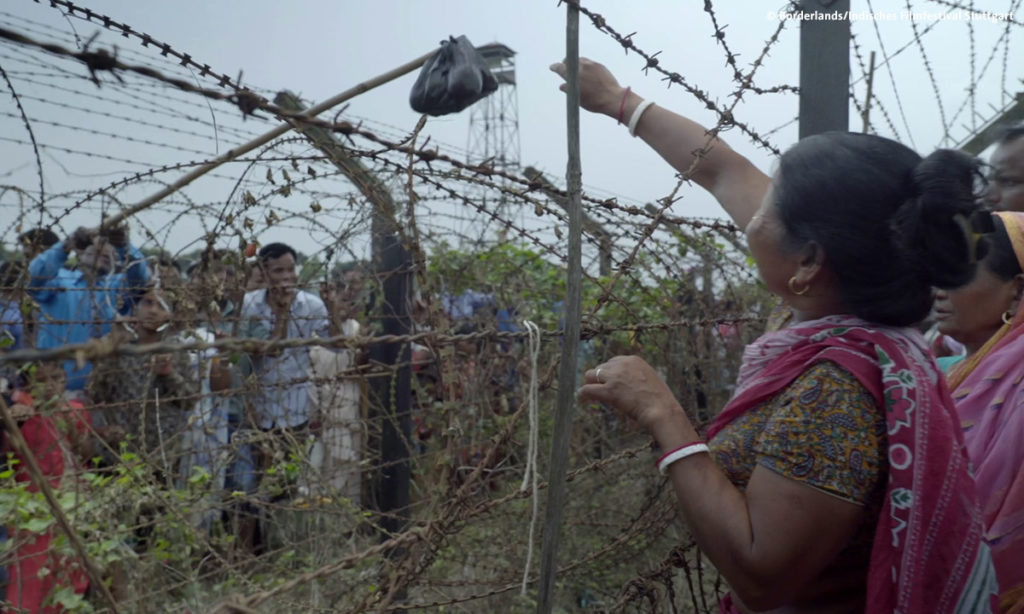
[[599, 91]]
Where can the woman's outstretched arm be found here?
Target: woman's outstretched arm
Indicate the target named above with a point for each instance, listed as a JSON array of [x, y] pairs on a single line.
[[736, 183]]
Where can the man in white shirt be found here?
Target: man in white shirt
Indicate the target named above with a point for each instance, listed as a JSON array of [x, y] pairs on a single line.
[[282, 311]]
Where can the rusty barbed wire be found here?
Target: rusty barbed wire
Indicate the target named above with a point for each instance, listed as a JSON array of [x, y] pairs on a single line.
[[1015, 6], [892, 78], [1001, 44], [31, 134], [99, 348], [874, 98], [974, 78], [725, 116], [931, 74], [725, 119], [103, 133], [730, 58], [325, 548], [166, 111], [165, 49], [344, 128], [1008, 17]]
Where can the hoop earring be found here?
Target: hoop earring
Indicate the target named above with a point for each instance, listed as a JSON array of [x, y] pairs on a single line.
[[792, 287], [1007, 317]]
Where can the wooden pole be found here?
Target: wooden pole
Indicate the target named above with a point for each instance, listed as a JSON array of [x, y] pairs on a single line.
[[265, 138], [867, 98], [570, 343], [393, 265]]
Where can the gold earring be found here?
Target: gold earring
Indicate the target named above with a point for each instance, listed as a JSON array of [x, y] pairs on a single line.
[[792, 287], [1007, 317]]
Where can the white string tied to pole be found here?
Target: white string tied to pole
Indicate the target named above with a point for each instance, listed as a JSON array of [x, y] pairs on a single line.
[[533, 443]]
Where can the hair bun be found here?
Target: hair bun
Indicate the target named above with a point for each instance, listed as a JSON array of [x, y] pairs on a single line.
[[932, 227], [884, 217]]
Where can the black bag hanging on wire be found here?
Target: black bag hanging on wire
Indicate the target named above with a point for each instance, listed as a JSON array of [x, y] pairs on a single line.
[[453, 78]]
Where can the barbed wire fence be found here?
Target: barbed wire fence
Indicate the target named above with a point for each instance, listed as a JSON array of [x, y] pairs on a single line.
[[182, 519]]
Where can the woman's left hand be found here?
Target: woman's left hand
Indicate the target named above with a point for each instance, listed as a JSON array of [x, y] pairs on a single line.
[[162, 365], [20, 412], [632, 387]]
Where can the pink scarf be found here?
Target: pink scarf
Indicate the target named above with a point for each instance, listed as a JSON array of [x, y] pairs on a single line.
[[928, 555], [990, 401]]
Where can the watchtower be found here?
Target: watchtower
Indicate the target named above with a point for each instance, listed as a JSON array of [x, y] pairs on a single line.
[[494, 121]]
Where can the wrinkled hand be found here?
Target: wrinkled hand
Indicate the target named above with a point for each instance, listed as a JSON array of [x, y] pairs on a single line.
[[600, 92], [20, 412], [80, 239], [339, 306], [633, 388], [122, 330], [111, 433], [280, 302], [162, 365], [329, 295], [117, 235]]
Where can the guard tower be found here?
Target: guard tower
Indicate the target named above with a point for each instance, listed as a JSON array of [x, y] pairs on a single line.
[[494, 121]]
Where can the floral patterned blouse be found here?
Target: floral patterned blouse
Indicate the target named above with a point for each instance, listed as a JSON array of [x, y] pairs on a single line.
[[826, 431]]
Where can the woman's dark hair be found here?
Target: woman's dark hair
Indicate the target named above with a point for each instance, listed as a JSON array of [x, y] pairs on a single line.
[[892, 224], [1001, 259]]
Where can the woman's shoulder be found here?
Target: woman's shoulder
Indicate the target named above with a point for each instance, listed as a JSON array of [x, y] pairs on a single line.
[[826, 379], [827, 430]]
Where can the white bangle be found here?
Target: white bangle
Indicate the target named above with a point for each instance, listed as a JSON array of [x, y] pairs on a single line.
[[680, 454], [634, 119]]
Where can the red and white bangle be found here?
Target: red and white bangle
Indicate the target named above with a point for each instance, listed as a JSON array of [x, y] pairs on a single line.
[[622, 104], [680, 453]]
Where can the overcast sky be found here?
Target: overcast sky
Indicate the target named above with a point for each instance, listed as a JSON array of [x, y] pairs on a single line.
[[320, 47]]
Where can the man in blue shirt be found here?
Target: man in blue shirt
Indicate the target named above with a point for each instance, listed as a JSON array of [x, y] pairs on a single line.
[[81, 304]]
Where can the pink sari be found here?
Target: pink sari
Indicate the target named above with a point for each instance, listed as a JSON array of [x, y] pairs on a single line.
[[928, 555], [989, 396]]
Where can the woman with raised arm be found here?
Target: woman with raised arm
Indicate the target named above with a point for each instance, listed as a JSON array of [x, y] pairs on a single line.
[[835, 480], [985, 316]]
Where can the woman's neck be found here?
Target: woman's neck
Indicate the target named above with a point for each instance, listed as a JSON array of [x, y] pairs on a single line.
[[816, 307], [976, 343], [972, 348], [804, 316]]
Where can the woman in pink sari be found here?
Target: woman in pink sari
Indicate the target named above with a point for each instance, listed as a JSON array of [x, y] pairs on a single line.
[[835, 481], [985, 316]]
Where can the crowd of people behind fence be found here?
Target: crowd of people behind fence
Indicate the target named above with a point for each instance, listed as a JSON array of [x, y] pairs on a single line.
[[216, 417]]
